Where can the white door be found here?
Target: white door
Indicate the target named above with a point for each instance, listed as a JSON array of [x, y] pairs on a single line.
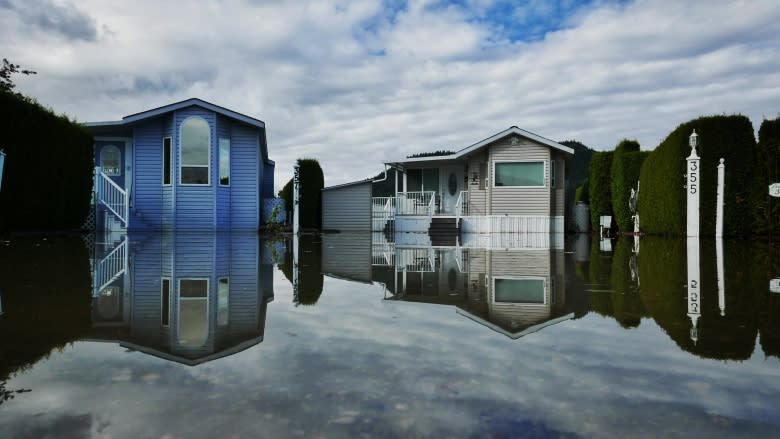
[[450, 185]]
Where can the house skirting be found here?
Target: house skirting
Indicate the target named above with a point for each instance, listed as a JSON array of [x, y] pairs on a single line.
[[487, 224]]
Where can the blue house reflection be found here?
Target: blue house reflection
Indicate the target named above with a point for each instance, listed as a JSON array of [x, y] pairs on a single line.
[[184, 297]]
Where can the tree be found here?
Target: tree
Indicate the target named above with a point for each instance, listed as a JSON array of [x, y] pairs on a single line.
[[8, 69]]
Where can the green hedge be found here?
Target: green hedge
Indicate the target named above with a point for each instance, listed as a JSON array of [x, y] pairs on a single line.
[[310, 278], [625, 174], [47, 180], [662, 199], [582, 193], [766, 209], [599, 188], [311, 181]]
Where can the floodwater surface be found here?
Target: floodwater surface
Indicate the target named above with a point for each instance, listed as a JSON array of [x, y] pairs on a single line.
[[226, 335]]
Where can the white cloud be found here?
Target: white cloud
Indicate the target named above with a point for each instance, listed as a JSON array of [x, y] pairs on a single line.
[[355, 83]]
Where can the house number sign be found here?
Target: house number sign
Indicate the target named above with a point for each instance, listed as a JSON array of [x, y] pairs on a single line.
[[693, 176]]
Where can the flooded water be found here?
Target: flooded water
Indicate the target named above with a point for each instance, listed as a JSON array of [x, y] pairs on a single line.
[[227, 335]]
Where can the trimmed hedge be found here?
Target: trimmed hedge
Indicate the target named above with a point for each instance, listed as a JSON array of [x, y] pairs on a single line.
[[582, 193], [47, 180], [766, 209], [310, 278], [625, 174], [312, 182], [662, 199], [599, 187]]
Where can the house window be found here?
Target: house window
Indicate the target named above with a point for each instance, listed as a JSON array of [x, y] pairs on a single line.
[[167, 159], [193, 312], [524, 290], [111, 160], [223, 297], [165, 302], [519, 174], [224, 162], [195, 141]]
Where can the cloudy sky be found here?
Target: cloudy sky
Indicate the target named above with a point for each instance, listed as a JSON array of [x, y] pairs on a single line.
[[355, 83]]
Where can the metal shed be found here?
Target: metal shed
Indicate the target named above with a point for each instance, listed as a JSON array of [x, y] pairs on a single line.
[[347, 207]]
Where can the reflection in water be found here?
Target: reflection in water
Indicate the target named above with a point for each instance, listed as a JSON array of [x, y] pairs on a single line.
[[514, 284], [188, 298]]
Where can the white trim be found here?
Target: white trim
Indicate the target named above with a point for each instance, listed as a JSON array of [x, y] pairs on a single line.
[[511, 130], [541, 278], [545, 177], [181, 165]]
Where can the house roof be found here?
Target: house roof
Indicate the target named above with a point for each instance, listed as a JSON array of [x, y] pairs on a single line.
[[482, 143], [132, 118], [514, 335]]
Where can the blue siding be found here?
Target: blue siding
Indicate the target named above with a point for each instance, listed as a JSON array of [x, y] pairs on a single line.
[[146, 287], [245, 296], [245, 177], [166, 219], [147, 189], [195, 205], [223, 192]]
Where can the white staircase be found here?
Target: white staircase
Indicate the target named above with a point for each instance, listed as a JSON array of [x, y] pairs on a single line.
[[112, 197], [111, 267]]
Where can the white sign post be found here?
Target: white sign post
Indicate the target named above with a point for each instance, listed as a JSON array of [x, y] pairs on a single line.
[[694, 296], [721, 279], [719, 199], [693, 187], [296, 198], [774, 285]]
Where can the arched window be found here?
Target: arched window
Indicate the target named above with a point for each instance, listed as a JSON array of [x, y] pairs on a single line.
[[195, 142], [111, 160]]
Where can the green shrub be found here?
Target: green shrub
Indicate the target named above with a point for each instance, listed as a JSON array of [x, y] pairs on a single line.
[[47, 181], [310, 278], [662, 199], [311, 183], [766, 209], [625, 174], [582, 194], [626, 302], [599, 188]]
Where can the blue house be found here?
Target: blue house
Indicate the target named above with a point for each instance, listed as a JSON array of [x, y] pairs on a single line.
[[190, 165]]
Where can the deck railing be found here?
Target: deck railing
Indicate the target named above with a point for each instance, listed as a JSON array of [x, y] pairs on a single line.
[[111, 267], [113, 197], [415, 260], [382, 210], [416, 203], [462, 205]]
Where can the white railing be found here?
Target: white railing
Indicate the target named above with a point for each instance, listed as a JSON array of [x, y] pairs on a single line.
[[113, 197], [415, 260], [416, 203], [462, 205], [111, 267], [382, 210]]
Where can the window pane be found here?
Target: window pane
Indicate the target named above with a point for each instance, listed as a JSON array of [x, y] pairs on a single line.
[[520, 174], [224, 161], [223, 294], [193, 323], [430, 180], [167, 160], [195, 142], [110, 160], [166, 301], [520, 290], [193, 287], [194, 175]]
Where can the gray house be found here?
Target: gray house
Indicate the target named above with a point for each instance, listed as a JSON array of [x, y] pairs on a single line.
[[512, 181]]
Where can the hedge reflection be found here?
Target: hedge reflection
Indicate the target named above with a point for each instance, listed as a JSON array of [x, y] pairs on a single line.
[[659, 292], [310, 278], [45, 285]]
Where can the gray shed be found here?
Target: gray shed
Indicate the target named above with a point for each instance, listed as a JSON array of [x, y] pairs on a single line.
[[347, 207]]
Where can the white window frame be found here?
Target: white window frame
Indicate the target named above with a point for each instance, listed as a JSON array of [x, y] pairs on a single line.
[[219, 160], [170, 159], [541, 278], [545, 164], [181, 164]]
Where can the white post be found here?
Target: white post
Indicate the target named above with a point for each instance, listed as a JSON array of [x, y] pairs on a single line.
[[721, 280], [694, 297], [296, 198], [295, 268], [2, 164], [693, 187], [719, 202]]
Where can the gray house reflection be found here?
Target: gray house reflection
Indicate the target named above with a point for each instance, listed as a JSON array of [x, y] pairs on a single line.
[[514, 284], [188, 298]]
